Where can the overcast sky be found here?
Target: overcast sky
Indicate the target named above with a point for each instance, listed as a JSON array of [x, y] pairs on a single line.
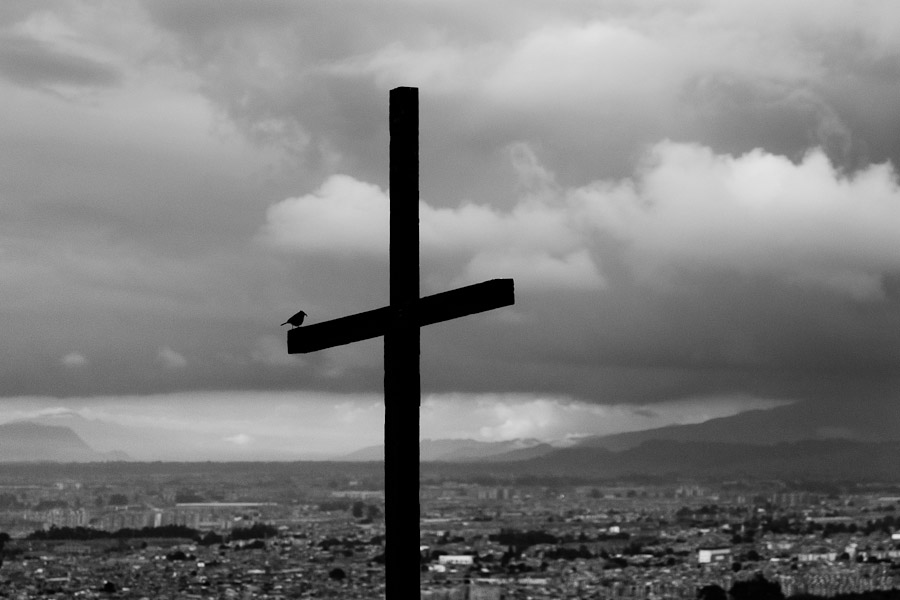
[[697, 199]]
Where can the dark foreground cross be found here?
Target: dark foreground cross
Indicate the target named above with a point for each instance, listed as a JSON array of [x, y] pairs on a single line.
[[399, 323]]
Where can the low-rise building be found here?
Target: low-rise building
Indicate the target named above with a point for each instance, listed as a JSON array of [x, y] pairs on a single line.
[[713, 555]]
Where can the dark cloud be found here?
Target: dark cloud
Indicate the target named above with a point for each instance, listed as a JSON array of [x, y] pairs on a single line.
[[199, 19], [316, 79]]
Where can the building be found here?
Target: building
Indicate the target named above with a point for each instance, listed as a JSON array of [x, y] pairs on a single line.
[[713, 555], [464, 560]]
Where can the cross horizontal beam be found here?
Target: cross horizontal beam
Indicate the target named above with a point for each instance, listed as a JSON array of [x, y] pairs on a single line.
[[445, 306]]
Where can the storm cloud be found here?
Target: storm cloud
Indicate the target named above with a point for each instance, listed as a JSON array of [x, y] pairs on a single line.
[[697, 202]]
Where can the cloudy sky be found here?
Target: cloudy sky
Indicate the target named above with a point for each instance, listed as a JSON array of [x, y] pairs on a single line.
[[697, 199]]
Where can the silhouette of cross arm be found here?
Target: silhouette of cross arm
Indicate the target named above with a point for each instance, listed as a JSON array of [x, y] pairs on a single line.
[[445, 306]]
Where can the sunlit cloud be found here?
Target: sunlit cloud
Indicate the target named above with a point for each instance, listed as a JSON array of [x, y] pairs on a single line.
[[805, 221], [343, 215], [686, 208]]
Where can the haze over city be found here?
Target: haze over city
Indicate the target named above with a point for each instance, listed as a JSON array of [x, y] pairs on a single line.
[[698, 202]]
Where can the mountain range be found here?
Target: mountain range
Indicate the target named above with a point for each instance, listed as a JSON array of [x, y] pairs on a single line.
[[804, 437], [455, 450], [803, 440], [869, 422], [810, 459], [800, 421], [149, 443], [23, 441], [805, 460]]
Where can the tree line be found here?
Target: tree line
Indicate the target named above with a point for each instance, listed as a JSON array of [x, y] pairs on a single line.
[[256, 531]]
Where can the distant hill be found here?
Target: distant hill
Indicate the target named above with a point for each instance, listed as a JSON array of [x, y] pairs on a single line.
[[369, 453], [865, 422], [458, 450], [466, 450], [811, 459], [149, 442], [521, 454], [103, 436], [24, 441]]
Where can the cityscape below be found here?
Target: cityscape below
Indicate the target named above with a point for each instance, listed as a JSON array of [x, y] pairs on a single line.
[[489, 530]]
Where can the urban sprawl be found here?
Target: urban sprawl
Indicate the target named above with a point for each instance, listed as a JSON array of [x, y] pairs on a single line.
[[295, 531]]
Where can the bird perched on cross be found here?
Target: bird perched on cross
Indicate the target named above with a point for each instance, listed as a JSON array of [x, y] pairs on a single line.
[[296, 320]]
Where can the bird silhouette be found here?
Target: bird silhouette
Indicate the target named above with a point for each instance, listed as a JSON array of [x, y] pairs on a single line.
[[296, 320]]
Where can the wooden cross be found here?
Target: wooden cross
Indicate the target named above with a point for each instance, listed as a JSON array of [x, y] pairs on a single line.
[[399, 323]]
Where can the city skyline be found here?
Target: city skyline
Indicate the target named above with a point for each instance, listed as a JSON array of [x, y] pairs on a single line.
[[698, 206]]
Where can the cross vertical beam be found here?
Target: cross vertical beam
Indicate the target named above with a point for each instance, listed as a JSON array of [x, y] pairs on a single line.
[[402, 388], [399, 323]]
